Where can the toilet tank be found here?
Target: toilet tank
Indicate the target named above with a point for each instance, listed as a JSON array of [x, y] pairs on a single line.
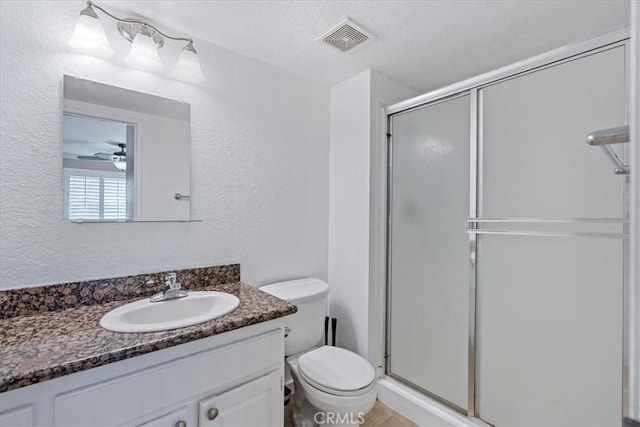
[[307, 325]]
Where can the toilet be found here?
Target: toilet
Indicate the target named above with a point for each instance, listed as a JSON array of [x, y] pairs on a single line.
[[333, 386]]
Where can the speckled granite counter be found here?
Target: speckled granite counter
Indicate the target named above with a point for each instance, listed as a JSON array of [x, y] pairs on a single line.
[[43, 346]]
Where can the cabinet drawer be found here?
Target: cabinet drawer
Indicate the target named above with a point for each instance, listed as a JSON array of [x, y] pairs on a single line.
[[171, 419], [121, 400]]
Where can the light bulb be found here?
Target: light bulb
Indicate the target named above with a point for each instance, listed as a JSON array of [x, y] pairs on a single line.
[[188, 65], [144, 53], [89, 36]]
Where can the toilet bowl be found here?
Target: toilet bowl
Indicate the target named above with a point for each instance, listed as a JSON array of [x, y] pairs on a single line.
[[333, 386], [335, 380]]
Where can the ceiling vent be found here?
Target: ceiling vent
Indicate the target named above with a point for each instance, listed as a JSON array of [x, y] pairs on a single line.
[[346, 37]]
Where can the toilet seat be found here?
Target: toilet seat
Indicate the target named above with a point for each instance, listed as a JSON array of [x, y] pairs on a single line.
[[336, 371]]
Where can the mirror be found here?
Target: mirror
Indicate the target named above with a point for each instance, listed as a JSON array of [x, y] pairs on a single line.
[[126, 155]]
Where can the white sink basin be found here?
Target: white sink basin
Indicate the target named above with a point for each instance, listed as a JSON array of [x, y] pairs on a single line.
[[147, 316]]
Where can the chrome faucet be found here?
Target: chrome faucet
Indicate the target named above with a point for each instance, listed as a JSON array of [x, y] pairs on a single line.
[[172, 289]]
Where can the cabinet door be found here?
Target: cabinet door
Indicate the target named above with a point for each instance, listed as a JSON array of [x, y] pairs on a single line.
[[19, 417], [255, 404]]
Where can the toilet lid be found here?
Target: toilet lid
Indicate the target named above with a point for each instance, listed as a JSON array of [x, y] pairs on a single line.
[[336, 370]]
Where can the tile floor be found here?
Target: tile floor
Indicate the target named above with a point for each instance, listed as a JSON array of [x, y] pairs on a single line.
[[383, 416]]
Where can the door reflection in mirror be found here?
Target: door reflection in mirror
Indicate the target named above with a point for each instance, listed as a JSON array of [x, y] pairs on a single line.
[[97, 162]]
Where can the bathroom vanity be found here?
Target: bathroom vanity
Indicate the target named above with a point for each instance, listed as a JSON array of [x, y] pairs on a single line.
[[61, 368]]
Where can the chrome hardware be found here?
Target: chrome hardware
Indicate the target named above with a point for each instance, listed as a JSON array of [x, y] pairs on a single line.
[[172, 289], [617, 135], [550, 234], [472, 229], [550, 220], [171, 281], [212, 414], [605, 137], [179, 196], [181, 423], [129, 30], [287, 331], [620, 168]]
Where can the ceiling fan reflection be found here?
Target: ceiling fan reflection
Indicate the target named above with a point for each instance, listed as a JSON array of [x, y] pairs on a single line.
[[118, 158]]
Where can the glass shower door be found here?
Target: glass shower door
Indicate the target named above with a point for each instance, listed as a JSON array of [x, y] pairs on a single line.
[[550, 251], [428, 287]]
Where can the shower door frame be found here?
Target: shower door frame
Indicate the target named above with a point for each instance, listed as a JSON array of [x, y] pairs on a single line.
[[472, 87]]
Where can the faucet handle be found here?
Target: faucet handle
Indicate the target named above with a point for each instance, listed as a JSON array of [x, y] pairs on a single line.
[[171, 281], [172, 289]]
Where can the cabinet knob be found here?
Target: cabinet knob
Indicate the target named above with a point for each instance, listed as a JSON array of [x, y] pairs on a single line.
[[212, 414], [181, 424]]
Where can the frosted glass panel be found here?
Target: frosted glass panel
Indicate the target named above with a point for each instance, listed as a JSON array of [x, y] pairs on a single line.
[[536, 161], [549, 309], [549, 331], [430, 249]]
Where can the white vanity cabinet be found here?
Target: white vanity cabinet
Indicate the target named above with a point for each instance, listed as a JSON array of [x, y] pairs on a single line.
[[231, 379]]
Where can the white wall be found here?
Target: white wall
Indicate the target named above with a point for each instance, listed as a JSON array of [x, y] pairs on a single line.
[[349, 209], [260, 153], [355, 152]]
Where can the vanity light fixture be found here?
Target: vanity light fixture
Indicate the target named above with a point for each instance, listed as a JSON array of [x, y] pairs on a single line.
[[89, 37]]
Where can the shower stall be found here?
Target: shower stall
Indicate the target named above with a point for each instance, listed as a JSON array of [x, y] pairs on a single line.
[[507, 244]]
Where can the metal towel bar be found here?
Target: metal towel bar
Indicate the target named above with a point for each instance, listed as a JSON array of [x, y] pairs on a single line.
[[617, 135], [550, 220], [472, 223], [549, 234]]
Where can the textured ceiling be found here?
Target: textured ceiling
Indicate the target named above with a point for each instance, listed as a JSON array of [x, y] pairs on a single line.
[[421, 44]]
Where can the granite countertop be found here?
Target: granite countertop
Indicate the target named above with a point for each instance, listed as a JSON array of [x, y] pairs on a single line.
[[43, 346]]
